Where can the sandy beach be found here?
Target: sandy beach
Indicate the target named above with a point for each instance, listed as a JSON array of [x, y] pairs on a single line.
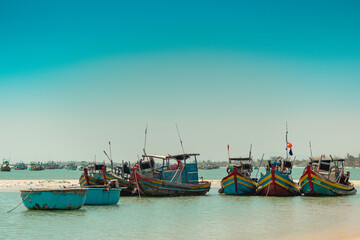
[[16, 185]]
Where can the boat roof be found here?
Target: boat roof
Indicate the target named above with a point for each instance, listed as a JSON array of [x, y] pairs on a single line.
[[324, 158], [177, 156], [240, 159]]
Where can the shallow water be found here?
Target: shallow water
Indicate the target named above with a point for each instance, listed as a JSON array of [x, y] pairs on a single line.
[[60, 174], [213, 216]]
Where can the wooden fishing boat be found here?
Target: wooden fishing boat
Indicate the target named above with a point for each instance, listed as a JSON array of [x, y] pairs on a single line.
[[278, 181], [102, 195], [239, 181], [179, 179], [5, 167], [20, 166], [325, 177], [36, 166], [51, 165], [54, 199], [98, 175], [71, 166]]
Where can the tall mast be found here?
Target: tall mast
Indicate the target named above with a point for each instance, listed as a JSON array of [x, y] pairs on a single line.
[[287, 154]]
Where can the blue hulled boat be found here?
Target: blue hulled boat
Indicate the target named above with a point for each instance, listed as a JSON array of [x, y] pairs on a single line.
[[278, 181], [102, 195], [239, 181], [180, 179], [325, 177], [54, 199]]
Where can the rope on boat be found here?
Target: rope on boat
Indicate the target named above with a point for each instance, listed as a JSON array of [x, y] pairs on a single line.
[[19, 203], [137, 185], [268, 190]]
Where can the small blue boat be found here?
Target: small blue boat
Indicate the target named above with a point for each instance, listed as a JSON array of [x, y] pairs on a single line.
[[102, 195], [54, 199]]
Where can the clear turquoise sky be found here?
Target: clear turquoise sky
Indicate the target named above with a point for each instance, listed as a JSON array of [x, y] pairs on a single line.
[[75, 74]]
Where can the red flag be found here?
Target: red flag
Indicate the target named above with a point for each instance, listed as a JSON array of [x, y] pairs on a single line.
[[288, 145], [228, 147]]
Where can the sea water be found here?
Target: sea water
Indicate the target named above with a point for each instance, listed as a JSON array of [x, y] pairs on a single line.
[[214, 216], [64, 174]]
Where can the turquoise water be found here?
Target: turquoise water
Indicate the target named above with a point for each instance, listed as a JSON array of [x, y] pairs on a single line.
[[60, 174], [213, 216]]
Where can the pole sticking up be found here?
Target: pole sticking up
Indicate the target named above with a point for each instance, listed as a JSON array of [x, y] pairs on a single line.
[[144, 149], [181, 143], [262, 158], [228, 150], [250, 151], [310, 149], [112, 164], [286, 139], [145, 137]]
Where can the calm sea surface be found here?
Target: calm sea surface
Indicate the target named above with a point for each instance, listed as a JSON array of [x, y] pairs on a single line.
[[60, 174], [213, 216]]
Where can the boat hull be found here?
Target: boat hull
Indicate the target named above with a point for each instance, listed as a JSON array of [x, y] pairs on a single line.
[[129, 186], [5, 169], [155, 187], [313, 184], [54, 199], [274, 183], [102, 196], [236, 184]]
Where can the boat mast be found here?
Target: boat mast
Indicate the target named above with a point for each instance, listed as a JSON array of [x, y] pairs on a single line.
[[286, 139], [310, 149]]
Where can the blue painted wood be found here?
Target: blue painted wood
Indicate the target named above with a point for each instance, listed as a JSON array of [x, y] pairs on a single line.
[[54, 199], [102, 196]]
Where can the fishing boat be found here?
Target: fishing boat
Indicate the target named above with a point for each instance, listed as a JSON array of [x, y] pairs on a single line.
[[71, 166], [20, 166], [36, 166], [51, 165], [54, 199], [277, 180], [98, 175], [324, 176], [103, 194], [5, 167], [239, 181], [180, 179]]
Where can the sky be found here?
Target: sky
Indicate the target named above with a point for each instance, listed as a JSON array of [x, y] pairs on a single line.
[[77, 74]]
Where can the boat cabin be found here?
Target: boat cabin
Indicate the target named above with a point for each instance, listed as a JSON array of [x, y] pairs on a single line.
[[243, 165], [180, 168], [328, 167], [282, 165]]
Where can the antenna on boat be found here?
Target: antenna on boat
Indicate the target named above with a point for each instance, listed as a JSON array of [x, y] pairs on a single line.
[[310, 149], [145, 137], [286, 139], [144, 149], [259, 165], [250, 150], [181, 143], [228, 150], [112, 165]]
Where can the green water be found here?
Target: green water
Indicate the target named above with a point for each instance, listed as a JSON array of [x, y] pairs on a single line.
[[60, 174], [206, 217]]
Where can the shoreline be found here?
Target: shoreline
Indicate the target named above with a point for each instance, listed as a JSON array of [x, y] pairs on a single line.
[[16, 185]]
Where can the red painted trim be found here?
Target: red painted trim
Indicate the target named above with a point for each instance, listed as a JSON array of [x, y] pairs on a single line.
[[235, 179], [86, 176], [310, 179], [273, 178], [104, 176]]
